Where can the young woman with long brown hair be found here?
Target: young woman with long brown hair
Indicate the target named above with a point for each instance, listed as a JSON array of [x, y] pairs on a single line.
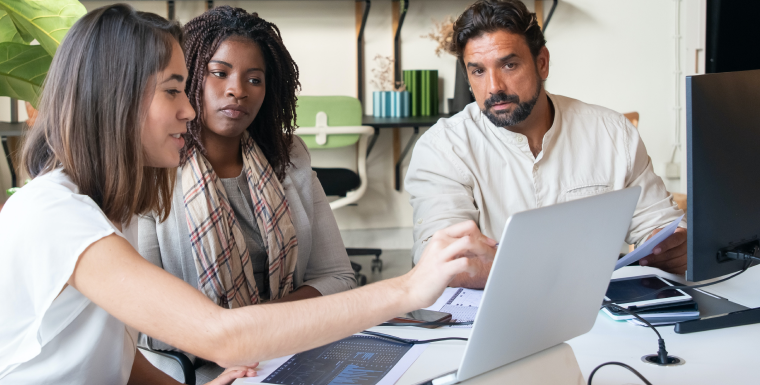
[[74, 291]]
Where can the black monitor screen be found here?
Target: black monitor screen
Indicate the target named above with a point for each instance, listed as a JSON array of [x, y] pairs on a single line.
[[723, 177]]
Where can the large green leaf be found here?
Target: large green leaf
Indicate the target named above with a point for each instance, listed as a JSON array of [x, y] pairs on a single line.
[[8, 31], [22, 70], [44, 20]]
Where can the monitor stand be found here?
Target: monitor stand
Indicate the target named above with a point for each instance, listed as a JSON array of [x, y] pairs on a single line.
[[716, 313], [737, 318]]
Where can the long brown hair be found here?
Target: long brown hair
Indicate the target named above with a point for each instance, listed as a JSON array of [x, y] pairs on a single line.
[[273, 127], [94, 101]]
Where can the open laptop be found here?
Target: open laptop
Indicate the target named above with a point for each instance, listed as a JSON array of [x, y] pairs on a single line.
[[548, 280]]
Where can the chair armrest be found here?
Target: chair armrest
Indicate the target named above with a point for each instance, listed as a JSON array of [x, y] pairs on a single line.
[[188, 369]]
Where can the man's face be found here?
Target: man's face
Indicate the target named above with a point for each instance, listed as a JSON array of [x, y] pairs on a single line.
[[505, 79]]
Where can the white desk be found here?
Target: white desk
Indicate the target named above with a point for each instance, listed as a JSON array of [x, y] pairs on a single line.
[[726, 356]]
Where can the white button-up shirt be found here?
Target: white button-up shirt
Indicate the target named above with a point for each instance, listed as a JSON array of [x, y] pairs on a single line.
[[465, 168]]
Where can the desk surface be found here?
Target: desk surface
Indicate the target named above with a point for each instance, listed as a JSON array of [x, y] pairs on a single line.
[[412, 121], [726, 356]]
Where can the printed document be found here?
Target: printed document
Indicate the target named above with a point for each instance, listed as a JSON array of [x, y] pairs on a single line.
[[646, 248], [461, 303]]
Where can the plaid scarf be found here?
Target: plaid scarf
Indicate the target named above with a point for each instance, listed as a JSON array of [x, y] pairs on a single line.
[[225, 274]]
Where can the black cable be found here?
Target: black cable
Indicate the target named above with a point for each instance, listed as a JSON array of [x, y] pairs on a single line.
[[639, 375], [742, 256], [616, 306], [423, 324], [662, 353], [411, 342]]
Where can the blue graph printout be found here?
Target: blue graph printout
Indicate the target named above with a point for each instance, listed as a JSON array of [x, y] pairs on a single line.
[[356, 360]]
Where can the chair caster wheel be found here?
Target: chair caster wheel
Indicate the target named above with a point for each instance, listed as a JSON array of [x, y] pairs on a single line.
[[377, 264], [362, 280]]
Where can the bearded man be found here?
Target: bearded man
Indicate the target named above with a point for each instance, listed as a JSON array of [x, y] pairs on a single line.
[[517, 147]]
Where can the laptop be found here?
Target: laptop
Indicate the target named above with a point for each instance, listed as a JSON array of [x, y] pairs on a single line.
[[547, 282]]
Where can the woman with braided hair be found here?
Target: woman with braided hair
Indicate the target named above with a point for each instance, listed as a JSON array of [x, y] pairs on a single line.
[[250, 222]]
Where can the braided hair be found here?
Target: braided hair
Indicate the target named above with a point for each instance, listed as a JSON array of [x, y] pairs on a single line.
[[273, 127]]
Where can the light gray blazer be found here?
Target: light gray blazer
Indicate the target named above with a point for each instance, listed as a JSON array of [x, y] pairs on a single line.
[[322, 260]]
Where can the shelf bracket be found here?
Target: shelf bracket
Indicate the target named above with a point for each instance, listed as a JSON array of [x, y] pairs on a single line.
[[360, 50], [396, 41], [549, 16]]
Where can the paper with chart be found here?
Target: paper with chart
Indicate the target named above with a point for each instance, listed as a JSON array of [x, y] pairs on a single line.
[[359, 359], [461, 303], [646, 248]]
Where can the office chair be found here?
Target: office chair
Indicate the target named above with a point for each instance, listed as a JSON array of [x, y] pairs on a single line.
[[175, 364], [332, 122]]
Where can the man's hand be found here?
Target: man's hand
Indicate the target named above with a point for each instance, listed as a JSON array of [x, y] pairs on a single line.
[[670, 254], [482, 265], [449, 253]]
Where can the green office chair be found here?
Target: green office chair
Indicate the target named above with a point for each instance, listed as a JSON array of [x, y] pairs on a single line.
[[331, 122]]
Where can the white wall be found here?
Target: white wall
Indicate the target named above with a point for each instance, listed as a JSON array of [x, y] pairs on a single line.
[[619, 54]]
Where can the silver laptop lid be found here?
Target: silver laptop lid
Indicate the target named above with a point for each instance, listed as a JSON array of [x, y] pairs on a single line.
[[548, 280]]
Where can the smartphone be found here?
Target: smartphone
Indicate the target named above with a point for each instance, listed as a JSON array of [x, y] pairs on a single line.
[[422, 315], [640, 292]]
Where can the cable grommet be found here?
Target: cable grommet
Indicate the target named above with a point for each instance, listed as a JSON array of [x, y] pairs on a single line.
[[672, 360]]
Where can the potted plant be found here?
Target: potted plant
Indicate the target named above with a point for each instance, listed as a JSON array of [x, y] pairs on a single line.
[[23, 66], [30, 33], [443, 35], [392, 99]]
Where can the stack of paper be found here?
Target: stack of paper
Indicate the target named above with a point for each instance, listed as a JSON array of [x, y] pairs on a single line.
[[461, 303]]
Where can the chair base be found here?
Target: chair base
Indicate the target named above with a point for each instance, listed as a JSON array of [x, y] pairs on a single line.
[[361, 279], [377, 263]]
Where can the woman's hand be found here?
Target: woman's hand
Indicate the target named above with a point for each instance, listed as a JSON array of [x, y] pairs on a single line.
[[451, 251], [233, 373]]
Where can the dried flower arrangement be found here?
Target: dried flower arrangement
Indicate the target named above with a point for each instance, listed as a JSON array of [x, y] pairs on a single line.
[[383, 74], [443, 34]]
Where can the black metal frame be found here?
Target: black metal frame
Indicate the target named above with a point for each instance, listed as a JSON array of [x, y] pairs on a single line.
[[396, 39], [407, 148], [549, 16], [401, 158], [170, 10], [360, 52], [6, 148]]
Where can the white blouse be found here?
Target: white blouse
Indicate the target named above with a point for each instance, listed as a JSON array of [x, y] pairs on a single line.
[[466, 168], [49, 336]]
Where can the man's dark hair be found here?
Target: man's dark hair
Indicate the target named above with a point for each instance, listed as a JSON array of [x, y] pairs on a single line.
[[487, 16], [273, 127]]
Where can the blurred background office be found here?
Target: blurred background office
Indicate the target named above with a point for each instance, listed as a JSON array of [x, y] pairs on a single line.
[[627, 55]]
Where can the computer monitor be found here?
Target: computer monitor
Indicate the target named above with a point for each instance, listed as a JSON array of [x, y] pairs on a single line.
[[723, 180], [723, 177]]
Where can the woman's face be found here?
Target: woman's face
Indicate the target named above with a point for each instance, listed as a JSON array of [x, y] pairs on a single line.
[[234, 87], [168, 115]]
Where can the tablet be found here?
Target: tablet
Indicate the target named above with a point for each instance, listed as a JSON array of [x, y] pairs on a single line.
[[640, 292]]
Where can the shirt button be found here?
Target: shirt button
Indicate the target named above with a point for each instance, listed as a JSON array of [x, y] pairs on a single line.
[[519, 139], [535, 167], [419, 221]]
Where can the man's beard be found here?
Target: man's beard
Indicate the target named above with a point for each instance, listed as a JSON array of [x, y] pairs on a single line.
[[505, 118]]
